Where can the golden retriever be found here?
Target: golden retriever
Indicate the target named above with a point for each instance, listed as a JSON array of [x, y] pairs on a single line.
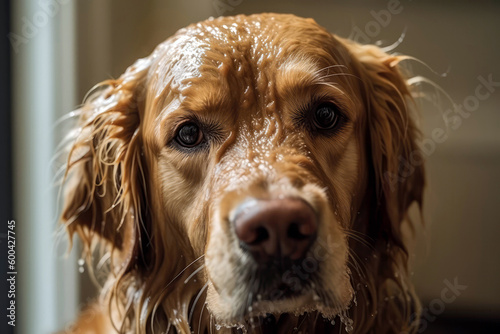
[[248, 176]]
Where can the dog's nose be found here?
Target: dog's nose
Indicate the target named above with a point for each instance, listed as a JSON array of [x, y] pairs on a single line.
[[275, 229]]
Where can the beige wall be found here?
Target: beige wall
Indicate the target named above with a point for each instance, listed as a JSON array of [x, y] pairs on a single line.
[[463, 196]]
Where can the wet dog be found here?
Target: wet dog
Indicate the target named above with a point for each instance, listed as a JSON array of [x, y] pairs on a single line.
[[246, 177]]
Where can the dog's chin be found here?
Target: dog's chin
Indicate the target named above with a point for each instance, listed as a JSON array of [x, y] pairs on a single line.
[[234, 314], [297, 305]]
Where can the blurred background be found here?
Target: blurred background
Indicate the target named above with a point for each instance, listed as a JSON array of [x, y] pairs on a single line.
[[54, 51]]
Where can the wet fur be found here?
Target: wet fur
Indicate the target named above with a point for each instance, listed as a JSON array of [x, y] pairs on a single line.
[[155, 212]]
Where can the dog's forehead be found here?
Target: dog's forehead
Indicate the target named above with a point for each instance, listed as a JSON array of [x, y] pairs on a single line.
[[235, 53], [257, 38]]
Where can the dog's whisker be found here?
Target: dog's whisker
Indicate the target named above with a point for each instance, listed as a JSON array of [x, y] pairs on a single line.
[[183, 270], [193, 307], [360, 237], [356, 265], [194, 273], [335, 86], [164, 289], [299, 325], [338, 75], [201, 317], [326, 68]]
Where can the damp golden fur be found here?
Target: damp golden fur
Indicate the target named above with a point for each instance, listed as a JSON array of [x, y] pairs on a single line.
[[160, 211]]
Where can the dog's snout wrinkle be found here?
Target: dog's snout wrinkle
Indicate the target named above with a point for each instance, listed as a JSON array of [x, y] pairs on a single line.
[[276, 228]]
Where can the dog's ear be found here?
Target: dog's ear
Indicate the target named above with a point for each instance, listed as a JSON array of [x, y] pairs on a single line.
[[395, 160], [395, 181], [104, 181]]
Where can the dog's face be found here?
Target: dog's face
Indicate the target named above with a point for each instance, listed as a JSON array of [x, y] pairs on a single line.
[[249, 141], [256, 127]]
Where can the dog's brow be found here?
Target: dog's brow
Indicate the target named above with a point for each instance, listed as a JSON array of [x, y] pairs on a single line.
[[205, 98], [298, 71]]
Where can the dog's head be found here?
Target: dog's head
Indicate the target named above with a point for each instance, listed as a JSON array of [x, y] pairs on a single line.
[[258, 163]]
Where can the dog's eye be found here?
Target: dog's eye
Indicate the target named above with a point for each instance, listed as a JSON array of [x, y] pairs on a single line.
[[326, 116], [189, 135]]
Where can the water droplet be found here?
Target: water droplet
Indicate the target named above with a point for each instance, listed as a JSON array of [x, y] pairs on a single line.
[[250, 308], [259, 297], [332, 322], [348, 324], [347, 321], [218, 327], [81, 268], [316, 297]]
